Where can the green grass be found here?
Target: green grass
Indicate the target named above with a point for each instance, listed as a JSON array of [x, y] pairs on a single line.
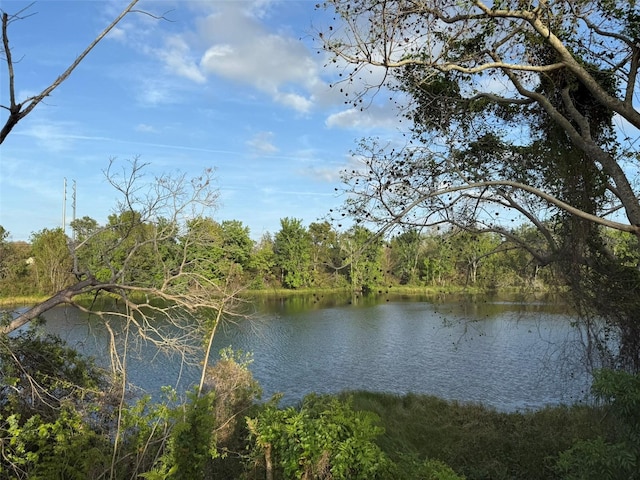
[[476, 441], [14, 300]]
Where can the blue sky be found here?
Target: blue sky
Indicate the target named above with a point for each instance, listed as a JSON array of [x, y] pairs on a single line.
[[234, 85]]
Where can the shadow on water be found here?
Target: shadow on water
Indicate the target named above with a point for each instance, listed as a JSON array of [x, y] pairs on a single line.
[[483, 304]]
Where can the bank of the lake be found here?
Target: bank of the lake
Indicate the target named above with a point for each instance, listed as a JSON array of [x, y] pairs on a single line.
[[480, 442]]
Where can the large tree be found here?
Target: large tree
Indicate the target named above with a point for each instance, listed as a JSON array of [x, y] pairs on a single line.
[[489, 74], [292, 250], [519, 112]]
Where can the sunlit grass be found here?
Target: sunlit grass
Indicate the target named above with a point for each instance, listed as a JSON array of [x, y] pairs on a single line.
[[20, 300]]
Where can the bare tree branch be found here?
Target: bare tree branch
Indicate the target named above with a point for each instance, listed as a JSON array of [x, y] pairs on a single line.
[[17, 111]]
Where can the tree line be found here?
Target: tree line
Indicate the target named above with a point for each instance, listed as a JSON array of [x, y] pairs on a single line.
[[295, 257]]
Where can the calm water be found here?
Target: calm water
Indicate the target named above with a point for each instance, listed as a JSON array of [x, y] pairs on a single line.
[[510, 355]]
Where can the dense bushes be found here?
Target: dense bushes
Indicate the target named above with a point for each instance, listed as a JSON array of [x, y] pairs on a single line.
[[324, 438], [616, 452]]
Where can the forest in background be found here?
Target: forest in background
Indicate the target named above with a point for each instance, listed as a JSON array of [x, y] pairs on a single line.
[[295, 257]]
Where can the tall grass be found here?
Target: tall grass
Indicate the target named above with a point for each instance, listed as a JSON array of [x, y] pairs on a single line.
[[476, 441], [20, 300]]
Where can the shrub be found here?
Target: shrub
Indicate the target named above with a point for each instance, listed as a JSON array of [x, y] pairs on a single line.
[[40, 450], [616, 457], [323, 439]]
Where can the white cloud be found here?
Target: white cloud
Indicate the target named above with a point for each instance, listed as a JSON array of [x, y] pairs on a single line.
[[178, 60], [232, 40], [119, 34], [52, 136], [156, 91], [295, 101], [238, 41], [261, 143], [323, 174], [369, 118]]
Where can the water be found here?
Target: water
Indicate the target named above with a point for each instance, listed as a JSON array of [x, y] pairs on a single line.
[[505, 354]]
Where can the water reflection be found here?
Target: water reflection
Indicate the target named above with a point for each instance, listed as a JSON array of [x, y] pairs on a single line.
[[507, 354]]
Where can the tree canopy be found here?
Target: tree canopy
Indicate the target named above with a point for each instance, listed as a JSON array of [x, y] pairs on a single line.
[[519, 113], [484, 84]]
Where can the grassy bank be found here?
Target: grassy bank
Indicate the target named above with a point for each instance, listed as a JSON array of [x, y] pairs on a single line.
[[286, 292], [478, 442], [21, 300]]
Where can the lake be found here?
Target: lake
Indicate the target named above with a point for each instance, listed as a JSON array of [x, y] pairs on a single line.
[[509, 354]]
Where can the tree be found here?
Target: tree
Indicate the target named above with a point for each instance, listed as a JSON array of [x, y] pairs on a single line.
[[325, 438], [143, 278], [363, 256], [551, 57], [471, 251], [450, 60], [325, 252], [262, 262], [439, 263], [52, 260], [141, 260], [141, 263], [292, 249], [511, 108], [15, 266], [406, 250], [236, 243]]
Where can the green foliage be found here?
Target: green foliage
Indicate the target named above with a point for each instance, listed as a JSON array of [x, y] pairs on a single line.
[[320, 257], [621, 392], [202, 438], [262, 263], [52, 260], [324, 438], [363, 255], [236, 242], [410, 467], [471, 252], [292, 250], [474, 441], [145, 428], [16, 274], [598, 459], [217, 250], [39, 373], [192, 443], [235, 392], [60, 449], [618, 456], [325, 254], [128, 249], [168, 440], [406, 255]]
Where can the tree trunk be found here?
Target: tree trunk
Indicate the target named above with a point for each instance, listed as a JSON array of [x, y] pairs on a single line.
[[63, 296], [267, 462]]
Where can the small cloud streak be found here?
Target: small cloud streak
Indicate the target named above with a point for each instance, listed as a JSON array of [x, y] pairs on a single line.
[[370, 118], [261, 143], [144, 128]]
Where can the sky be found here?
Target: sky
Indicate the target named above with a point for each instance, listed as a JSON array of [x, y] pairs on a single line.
[[238, 86]]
